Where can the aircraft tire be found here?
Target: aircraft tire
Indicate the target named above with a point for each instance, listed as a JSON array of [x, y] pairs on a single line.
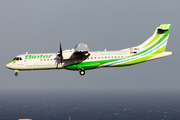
[[16, 74], [82, 72]]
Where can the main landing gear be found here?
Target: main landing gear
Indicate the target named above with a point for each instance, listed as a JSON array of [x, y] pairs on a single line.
[[81, 72], [16, 72]]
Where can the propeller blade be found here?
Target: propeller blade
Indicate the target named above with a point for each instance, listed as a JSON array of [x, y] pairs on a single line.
[[61, 53], [60, 49]]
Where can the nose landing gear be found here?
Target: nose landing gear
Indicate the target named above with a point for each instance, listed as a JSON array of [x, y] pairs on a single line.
[[16, 72]]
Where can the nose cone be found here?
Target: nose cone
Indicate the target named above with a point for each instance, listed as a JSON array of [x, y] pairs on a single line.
[[8, 65], [11, 64]]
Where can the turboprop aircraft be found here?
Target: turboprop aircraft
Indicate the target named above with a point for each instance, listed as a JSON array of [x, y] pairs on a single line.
[[81, 59]]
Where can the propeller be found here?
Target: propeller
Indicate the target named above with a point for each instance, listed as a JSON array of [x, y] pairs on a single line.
[[60, 55]]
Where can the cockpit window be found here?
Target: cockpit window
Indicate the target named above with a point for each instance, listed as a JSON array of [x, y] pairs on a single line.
[[17, 58]]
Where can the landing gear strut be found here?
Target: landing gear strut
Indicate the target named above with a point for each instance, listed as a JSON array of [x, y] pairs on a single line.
[[81, 72]]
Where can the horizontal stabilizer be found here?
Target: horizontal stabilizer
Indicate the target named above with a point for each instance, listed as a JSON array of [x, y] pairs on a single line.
[[163, 54], [163, 27]]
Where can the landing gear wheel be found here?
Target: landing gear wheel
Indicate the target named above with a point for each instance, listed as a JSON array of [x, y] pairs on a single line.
[[81, 72], [16, 74]]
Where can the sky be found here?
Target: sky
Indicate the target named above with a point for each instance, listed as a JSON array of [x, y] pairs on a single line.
[[38, 26]]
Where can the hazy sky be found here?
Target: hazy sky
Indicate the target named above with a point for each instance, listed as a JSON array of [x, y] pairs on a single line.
[[37, 26]]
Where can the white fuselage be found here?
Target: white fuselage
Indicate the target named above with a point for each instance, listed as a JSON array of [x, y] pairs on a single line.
[[51, 61]]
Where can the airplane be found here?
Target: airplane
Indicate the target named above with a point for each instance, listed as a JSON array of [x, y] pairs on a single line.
[[81, 58]]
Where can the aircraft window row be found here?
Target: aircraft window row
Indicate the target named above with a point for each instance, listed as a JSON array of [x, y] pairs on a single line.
[[46, 59], [84, 58], [106, 57], [17, 58]]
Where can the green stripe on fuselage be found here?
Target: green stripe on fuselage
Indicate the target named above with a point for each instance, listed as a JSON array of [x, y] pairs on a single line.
[[89, 65], [145, 58], [12, 61]]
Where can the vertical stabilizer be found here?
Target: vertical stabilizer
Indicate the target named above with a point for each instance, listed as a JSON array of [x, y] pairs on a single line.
[[158, 39]]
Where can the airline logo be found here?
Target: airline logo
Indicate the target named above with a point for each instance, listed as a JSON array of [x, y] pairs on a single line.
[[37, 56]]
